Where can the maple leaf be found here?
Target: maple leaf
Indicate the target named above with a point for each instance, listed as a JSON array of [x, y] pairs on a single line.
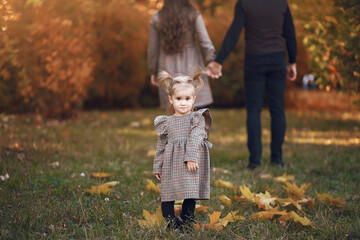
[[324, 197], [264, 200], [152, 187], [224, 184], [263, 215], [200, 208], [246, 193], [225, 200], [266, 176], [103, 188], [293, 189], [296, 218], [296, 203], [231, 217], [152, 220], [102, 175], [213, 224], [284, 178]]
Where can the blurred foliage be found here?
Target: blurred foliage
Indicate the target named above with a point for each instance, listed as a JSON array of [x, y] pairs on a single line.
[[57, 55], [120, 54], [333, 44]]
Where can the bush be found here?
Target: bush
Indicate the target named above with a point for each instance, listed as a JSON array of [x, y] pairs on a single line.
[[334, 47], [121, 34]]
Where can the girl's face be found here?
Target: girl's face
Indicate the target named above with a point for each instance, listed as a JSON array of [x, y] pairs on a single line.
[[183, 100]]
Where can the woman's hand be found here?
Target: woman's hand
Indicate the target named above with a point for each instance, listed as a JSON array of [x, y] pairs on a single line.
[[154, 80], [192, 166], [158, 176]]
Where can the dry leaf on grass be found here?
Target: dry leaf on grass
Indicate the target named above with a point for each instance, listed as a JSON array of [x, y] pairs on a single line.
[[225, 200], [102, 175], [296, 218], [266, 176], [296, 203], [231, 217], [246, 193], [263, 215], [293, 189], [324, 197], [151, 187], [265, 200], [103, 188], [225, 184], [285, 178], [152, 220], [213, 224]]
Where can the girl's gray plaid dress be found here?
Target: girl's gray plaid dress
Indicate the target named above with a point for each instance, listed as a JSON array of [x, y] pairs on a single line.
[[181, 139]]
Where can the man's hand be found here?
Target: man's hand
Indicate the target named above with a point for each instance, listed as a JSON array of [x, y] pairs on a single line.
[[213, 69], [192, 166], [154, 80], [291, 71]]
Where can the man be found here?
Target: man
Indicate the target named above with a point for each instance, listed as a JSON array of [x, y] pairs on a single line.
[[267, 23]]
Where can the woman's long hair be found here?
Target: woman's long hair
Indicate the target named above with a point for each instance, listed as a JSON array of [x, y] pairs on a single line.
[[177, 18]]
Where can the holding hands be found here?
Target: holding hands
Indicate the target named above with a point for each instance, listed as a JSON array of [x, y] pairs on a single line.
[[213, 69]]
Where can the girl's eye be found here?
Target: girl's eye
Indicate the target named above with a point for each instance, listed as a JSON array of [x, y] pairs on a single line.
[[178, 98], [188, 98]]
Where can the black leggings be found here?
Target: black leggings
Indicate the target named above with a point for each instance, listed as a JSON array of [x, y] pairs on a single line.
[[187, 214]]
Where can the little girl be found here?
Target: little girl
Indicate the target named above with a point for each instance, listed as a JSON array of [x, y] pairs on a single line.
[[182, 160]]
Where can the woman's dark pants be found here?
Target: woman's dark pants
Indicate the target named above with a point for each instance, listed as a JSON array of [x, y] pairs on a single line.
[[265, 73]]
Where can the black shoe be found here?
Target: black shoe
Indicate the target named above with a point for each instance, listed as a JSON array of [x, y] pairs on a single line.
[[252, 166]]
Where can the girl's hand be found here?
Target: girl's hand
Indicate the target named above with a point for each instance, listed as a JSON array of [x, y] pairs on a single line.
[[158, 176], [192, 166]]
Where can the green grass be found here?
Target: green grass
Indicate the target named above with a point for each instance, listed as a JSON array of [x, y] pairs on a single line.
[[43, 201]]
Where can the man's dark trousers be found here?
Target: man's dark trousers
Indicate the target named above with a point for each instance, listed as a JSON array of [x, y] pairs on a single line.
[[265, 73]]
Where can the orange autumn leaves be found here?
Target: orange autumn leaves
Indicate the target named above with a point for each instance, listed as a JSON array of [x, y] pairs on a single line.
[[104, 188], [270, 207]]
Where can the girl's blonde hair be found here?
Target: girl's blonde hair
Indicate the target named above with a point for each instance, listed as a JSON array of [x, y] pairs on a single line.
[[170, 84]]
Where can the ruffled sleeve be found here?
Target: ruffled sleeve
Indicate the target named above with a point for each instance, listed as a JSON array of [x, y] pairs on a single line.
[[160, 124], [200, 126]]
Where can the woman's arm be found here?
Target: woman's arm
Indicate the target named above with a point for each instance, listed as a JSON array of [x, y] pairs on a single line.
[[204, 39], [153, 47]]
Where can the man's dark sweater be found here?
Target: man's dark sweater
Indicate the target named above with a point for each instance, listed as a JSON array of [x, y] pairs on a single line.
[[267, 23]]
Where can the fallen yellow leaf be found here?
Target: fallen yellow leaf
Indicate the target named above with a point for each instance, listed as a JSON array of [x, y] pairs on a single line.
[[284, 178], [103, 188], [225, 200], [263, 215], [152, 187], [296, 218], [296, 203], [213, 224], [266, 176], [246, 193], [152, 220], [293, 189], [200, 208], [224, 184], [324, 197], [265, 200], [231, 217], [102, 175]]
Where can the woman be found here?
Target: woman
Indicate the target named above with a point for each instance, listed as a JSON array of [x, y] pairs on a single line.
[[172, 46]]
